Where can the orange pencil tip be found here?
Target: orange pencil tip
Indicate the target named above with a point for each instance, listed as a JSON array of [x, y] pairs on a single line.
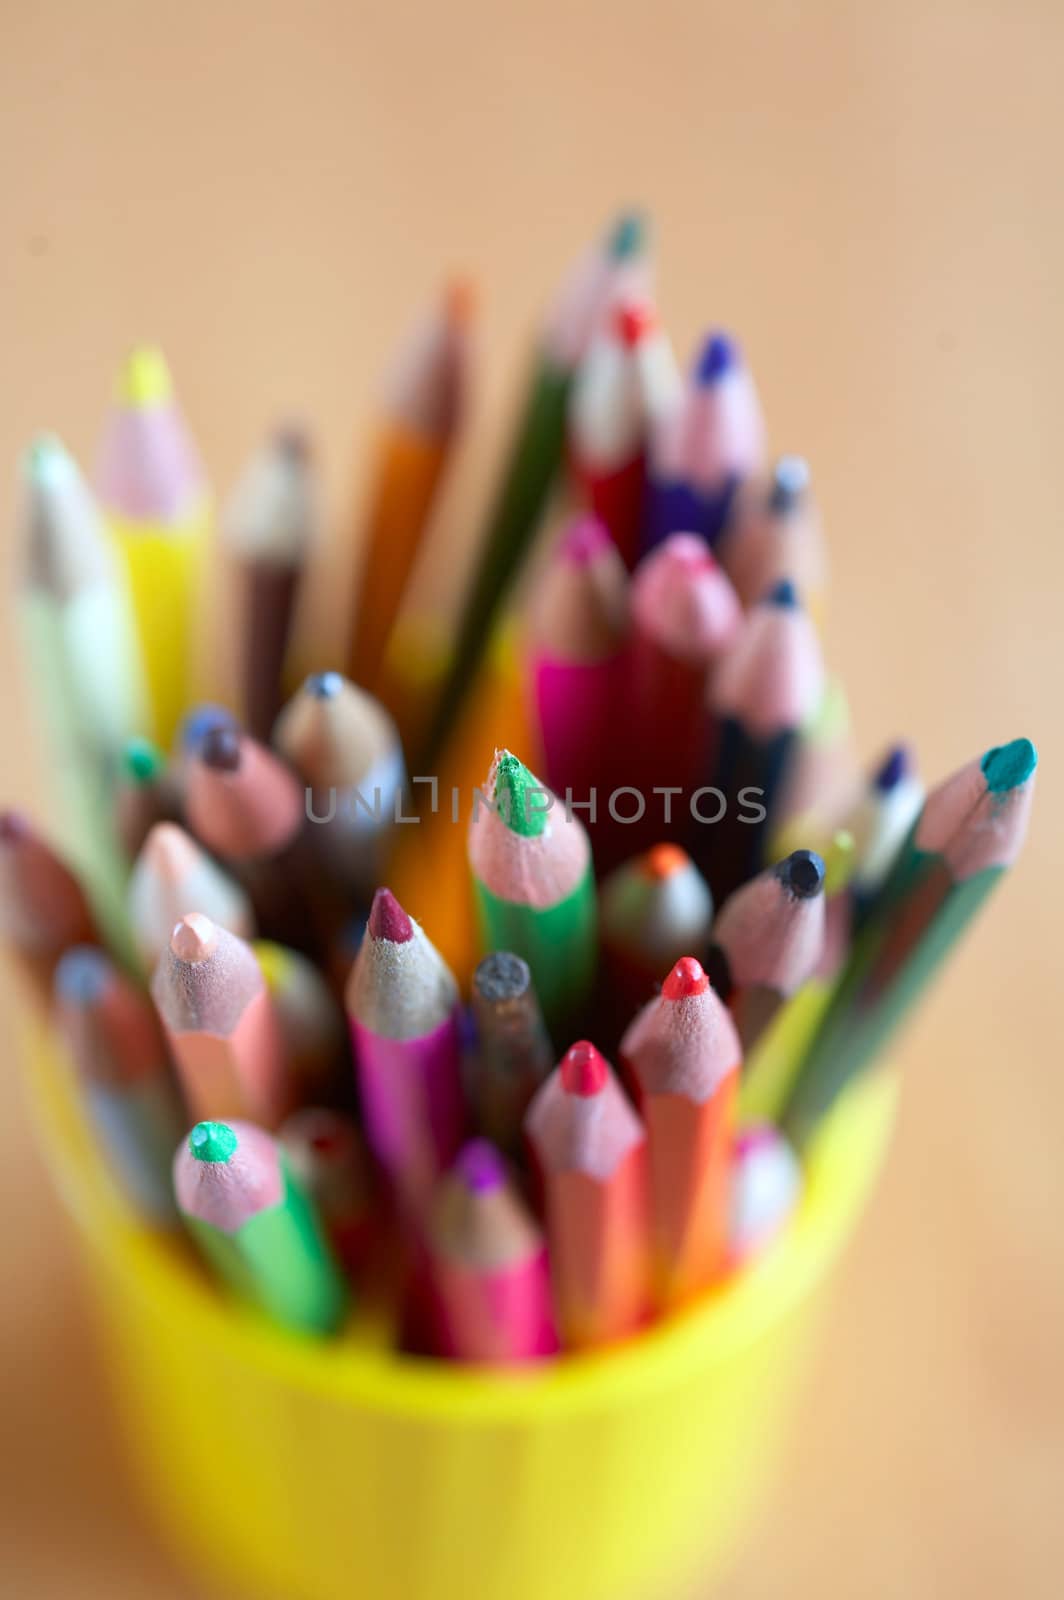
[[663, 860], [686, 978], [460, 300]]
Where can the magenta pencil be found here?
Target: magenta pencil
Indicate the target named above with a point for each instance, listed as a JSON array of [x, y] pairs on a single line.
[[488, 1261], [627, 383], [578, 631], [402, 1003]]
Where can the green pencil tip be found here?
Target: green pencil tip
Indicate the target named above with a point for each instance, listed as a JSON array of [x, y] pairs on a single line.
[[519, 797], [141, 760], [1008, 765], [627, 236], [212, 1141]]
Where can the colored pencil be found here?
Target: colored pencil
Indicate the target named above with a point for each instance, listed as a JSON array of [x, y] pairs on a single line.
[[43, 909], [313, 1032], [488, 1262], [822, 779], [590, 1150], [513, 1049], [270, 526], [617, 264], [775, 532], [345, 747], [969, 832], [402, 1004], [221, 1024], [767, 939], [534, 886], [880, 823], [124, 1075], [173, 876], [685, 618], [424, 406], [627, 383], [765, 1190], [653, 910], [576, 658], [256, 1226], [144, 794], [706, 447], [152, 493], [765, 690], [683, 1054], [249, 809], [326, 1153]]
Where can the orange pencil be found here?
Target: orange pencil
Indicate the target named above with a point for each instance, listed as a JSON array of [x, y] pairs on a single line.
[[684, 1057], [220, 1021], [423, 412], [590, 1150]]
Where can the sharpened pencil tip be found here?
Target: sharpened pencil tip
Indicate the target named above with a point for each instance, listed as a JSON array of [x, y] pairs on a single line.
[[632, 321], [142, 761], [193, 937], [220, 749], [46, 462], [388, 920], [896, 765], [480, 1167], [686, 978], [198, 723], [718, 356], [802, 873], [144, 380], [13, 827], [81, 975], [502, 976], [790, 482], [324, 685], [520, 799], [662, 860], [584, 1070], [583, 540], [782, 594], [627, 236], [1008, 765], [212, 1142]]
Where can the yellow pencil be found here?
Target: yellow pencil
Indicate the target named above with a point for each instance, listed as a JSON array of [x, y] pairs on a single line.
[[153, 494]]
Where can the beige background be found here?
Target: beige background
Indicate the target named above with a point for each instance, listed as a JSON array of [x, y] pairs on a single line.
[[870, 194]]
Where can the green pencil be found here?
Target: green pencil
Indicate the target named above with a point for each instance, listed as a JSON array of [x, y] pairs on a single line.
[[534, 886], [969, 832], [536, 453], [256, 1225]]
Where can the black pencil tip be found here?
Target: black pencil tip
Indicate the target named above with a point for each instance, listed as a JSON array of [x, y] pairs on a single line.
[[802, 873]]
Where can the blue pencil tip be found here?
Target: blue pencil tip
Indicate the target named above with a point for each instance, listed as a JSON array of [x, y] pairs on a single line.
[[324, 685], [790, 481], [717, 358], [802, 873], [895, 766], [782, 594], [200, 721], [81, 975]]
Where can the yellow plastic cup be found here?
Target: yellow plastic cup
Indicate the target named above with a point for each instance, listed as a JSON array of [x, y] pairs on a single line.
[[318, 1471]]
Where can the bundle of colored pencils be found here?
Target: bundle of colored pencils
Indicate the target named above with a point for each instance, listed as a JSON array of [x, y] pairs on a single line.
[[702, 887]]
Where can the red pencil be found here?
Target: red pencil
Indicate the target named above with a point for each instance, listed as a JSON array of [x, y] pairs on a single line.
[[626, 384], [684, 1056], [591, 1154], [488, 1263]]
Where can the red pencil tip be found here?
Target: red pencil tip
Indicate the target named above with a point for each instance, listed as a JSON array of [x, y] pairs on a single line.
[[633, 319], [584, 1070], [388, 920], [686, 978]]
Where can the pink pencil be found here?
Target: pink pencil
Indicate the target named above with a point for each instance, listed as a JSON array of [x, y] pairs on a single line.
[[626, 384], [402, 1003], [685, 617], [590, 1150], [221, 1024], [488, 1262], [683, 1054], [578, 628]]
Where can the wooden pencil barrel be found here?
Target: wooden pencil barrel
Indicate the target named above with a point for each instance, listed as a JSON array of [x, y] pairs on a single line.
[[311, 1470]]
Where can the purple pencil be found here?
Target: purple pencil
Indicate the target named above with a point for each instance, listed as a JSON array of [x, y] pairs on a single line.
[[402, 1003]]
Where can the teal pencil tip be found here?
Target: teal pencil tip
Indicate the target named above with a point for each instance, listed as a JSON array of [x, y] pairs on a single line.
[[519, 797], [627, 236], [141, 761], [1008, 765], [212, 1141]]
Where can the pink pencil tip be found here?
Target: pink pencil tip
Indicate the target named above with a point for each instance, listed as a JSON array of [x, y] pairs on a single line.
[[388, 920], [193, 937], [632, 320], [686, 978], [480, 1167], [584, 1070], [583, 540]]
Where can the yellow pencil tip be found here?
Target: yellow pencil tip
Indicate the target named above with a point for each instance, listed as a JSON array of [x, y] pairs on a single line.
[[145, 379]]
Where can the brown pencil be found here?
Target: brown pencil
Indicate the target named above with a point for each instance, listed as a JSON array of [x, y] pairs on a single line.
[[220, 1020], [43, 910]]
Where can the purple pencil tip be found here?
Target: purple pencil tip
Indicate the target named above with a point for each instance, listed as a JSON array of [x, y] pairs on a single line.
[[896, 766], [481, 1167]]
